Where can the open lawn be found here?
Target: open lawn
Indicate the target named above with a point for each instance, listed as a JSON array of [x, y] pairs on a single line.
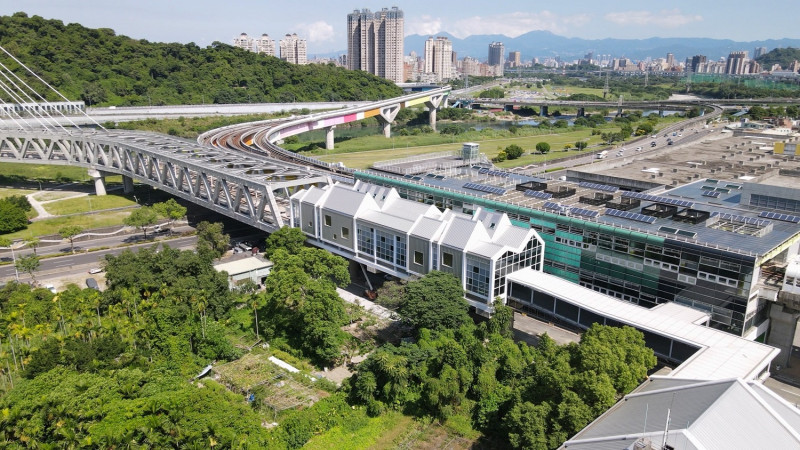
[[407, 146], [393, 430], [8, 192], [87, 203], [87, 221], [16, 172], [46, 196]]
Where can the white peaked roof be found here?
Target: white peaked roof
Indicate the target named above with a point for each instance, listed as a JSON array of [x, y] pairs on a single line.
[[488, 234], [721, 414]]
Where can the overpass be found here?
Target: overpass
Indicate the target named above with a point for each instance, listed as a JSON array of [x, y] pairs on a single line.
[[581, 105], [225, 172]]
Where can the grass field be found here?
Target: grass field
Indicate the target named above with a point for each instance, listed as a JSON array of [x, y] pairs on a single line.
[[87, 204], [393, 430], [410, 146], [51, 226], [8, 192]]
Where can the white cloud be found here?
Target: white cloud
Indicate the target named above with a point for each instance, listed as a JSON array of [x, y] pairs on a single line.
[[517, 23], [670, 18], [319, 31], [425, 25]]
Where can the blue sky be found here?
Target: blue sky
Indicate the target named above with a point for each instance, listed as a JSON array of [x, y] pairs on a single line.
[[323, 22]]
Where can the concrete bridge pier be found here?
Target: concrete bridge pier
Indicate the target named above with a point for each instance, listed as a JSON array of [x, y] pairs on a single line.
[[433, 105], [99, 181], [329, 137], [127, 184], [581, 112], [543, 111], [619, 111], [388, 113]]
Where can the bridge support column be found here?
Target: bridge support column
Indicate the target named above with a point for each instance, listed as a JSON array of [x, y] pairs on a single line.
[[619, 111], [99, 181], [782, 325], [127, 184], [329, 137], [543, 111], [432, 105], [581, 112], [388, 113]]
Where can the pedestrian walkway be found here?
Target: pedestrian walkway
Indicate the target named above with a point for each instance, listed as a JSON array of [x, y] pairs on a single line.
[[370, 306]]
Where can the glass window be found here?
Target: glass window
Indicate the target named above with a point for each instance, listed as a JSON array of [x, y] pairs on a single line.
[[418, 258], [345, 232], [447, 259], [327, 220]]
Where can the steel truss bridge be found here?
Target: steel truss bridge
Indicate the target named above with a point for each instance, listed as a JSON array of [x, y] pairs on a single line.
[[237, 171]]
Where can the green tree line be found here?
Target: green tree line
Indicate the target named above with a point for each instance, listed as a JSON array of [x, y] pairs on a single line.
[[103, 68]]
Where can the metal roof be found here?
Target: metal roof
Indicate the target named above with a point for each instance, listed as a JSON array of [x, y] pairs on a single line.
[[721, 414], [243, 265], [692, 193]]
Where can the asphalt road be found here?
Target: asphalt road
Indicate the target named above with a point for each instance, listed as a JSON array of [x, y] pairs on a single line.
[[82, 262]]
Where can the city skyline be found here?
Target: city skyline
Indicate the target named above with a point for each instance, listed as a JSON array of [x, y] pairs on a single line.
[[320, 23]]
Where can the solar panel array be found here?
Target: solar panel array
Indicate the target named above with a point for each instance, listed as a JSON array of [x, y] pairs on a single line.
[[485, 188], [711, 194], [552, 205], [583, 212], [599, 187], [630, 215], [539, 194], [741, 219], [496, 173], [779, 216], [658, 199]]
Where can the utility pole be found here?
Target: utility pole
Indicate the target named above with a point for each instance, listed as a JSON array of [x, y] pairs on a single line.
[[605, 88]]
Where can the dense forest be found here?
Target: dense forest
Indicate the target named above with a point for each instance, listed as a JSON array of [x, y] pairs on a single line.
[[783, 56], [118, 368], [101, 68]]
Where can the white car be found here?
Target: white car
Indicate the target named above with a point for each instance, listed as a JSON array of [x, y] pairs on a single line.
[[95, 270], [638, 149], [50, 288]]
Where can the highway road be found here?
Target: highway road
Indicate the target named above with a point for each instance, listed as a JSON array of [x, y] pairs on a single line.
[[690, 133], [82, 262]]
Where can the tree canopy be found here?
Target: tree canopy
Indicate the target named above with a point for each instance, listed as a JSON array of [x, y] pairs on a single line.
[[435, 301], [103, 68]]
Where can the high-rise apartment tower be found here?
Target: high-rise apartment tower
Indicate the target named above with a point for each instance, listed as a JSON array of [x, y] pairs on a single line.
[[439, 57], [294, 49], [497, 52], [375, 42]]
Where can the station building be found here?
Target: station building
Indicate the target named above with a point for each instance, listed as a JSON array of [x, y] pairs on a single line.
[[703, 244], [374, 226]]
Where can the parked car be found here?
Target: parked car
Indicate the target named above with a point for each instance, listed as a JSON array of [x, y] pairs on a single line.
[[95, 270], [91, 283], [50, 288]]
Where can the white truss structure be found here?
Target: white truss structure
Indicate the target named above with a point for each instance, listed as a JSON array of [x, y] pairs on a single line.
[[247, 187]]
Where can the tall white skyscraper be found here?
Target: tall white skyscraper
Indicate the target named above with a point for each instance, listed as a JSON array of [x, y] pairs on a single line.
[[375, 42], [439, 58], [293, 49]]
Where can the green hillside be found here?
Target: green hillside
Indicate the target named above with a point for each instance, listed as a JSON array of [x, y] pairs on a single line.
[[102, 68], [782, 56]]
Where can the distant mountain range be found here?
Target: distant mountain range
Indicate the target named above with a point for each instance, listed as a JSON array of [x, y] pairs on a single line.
[[543, 44]]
